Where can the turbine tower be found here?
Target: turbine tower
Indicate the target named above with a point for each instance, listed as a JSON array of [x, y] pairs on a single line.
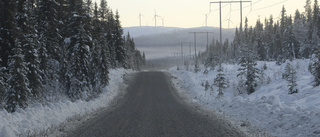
[[155, 18], [162, 21], [229, 21], [206, 20], [140, 15]]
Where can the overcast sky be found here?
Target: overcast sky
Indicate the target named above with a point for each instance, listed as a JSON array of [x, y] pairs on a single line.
[[191, 13]]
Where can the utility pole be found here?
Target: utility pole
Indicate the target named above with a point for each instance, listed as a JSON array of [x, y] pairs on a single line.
[[182, 49], [240, 8], [195, 40], [221, 21], [195, 43], [190, 49]]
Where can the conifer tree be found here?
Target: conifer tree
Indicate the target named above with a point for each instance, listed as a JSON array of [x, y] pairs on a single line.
[[104, 55], [28, 38], [111, 39], [314, 67], [247, 62], [95, 64], [308, 15], [291, 78], [50, 51], [3, 84], [119, 42], [249, 71], [261, 49], [221, 82], [7, 25], [18, 92], [78, 54], [196, 66]]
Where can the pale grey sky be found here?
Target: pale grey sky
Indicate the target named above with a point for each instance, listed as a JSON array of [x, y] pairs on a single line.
[[190, 13]]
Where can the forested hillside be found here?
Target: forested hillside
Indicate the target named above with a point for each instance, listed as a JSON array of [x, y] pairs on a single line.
[[288, 38], [51, 49]]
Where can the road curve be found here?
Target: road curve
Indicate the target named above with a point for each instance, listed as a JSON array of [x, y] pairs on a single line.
[[150, 109]]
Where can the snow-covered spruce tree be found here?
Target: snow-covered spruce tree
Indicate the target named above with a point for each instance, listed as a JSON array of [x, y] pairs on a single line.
[[7, 24], [135, 60], [95, 63], [18, 91], [291, 77], [290, 43], [268, 39], [210, 61], [104, 55], [104, 63], [120, 50], [110, 36], [28, 39], [221, 82], [130, 47], [206, 85], [261, 49], [247, 62], [314, 67], [235, 44], [250, 73], [139, 59], [50, 52], [3, 84], [78, 80], [196, 67]]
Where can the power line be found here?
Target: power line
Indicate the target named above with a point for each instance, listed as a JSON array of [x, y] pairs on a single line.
[[257, 8], [217, 8], [270, 5], [262, 7], [248, 5], [221, 20]]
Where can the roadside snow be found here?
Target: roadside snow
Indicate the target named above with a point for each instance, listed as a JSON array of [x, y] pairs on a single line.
[[270, 107], [38, 117]]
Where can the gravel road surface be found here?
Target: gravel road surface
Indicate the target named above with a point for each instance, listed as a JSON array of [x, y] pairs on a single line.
[[152, 108]]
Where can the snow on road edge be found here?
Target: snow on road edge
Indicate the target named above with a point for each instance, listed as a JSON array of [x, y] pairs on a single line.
[[270, 108], [40, 117]]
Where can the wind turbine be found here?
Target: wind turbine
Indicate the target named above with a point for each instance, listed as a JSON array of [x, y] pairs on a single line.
[[162, 21], [229, 21], [140, 15], [155, 17], [206, 20]]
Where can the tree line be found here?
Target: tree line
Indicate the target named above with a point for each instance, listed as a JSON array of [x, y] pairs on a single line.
[[55, 48], [288, 38]]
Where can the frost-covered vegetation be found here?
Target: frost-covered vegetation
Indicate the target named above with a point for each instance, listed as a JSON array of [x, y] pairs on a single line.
[[270, 110], [57, 49], [271, 74]]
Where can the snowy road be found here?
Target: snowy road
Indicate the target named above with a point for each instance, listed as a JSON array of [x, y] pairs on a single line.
[[151, 108]]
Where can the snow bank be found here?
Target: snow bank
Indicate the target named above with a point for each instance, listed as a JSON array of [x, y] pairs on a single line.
[[270, 107], [40, 117]]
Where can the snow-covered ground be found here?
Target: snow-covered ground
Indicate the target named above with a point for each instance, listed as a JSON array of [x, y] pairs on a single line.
[[270, 107], [39, 117]]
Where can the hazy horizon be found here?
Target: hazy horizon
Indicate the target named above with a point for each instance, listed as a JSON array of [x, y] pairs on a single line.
[[190, 14]]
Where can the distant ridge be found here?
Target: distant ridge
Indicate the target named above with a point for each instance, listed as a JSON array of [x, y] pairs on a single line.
[[159, 42], [147, 30], [138, 31]]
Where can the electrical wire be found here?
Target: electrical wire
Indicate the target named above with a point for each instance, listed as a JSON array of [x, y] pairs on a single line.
[[217, 8], [270, 5]]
